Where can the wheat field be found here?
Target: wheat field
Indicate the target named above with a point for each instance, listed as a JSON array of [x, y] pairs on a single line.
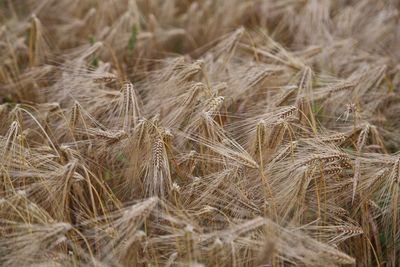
[[199, 133]]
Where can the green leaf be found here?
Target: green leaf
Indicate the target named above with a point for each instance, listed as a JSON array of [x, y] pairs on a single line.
[[132, 38], [92, 39]]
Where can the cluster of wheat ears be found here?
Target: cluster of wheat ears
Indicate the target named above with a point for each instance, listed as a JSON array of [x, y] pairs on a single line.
[[199, 133]]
